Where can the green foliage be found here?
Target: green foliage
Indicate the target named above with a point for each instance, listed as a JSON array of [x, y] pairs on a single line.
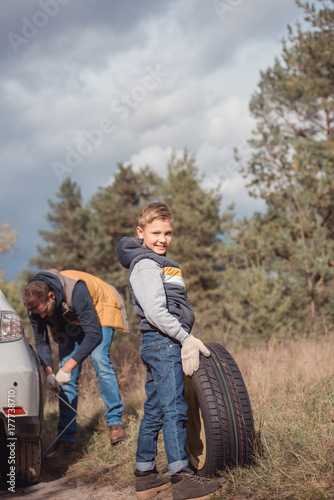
[[197, 243], [67, 241], [254, 302], [86, 237], [114, 214], [292, 168]]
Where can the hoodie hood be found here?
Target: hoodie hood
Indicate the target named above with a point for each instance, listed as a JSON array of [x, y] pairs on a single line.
[[129, 248], [53, 282], [130, 251]]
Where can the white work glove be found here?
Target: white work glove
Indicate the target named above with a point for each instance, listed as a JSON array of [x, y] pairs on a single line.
[[63, 377], [191, 347], [52, 383]]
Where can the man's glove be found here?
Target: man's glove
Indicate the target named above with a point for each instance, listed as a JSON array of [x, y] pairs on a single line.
[[52, 383], [191, 347], [63, 377]]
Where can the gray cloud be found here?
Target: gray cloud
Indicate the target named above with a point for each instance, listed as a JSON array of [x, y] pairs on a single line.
[[66, 22], [89, 59]]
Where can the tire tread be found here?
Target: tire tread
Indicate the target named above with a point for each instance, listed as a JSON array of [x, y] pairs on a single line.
[[226, 411]]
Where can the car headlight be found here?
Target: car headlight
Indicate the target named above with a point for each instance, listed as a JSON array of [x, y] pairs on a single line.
[[11, 327]]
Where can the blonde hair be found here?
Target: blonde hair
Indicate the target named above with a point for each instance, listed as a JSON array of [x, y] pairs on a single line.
[[154, 211]]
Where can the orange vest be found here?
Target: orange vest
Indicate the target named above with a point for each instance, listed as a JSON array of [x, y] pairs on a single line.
[[108, 303]]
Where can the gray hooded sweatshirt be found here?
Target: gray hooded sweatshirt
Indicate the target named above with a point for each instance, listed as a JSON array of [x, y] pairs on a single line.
[[158, 290]]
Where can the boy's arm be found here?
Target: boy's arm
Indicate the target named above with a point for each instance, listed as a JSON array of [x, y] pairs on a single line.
[[148, 288], [146, 282]]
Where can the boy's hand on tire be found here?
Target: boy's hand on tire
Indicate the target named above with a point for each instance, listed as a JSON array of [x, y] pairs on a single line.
[[52, 383], [191, 347]]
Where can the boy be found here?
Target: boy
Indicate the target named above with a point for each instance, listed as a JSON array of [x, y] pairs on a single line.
[[168, 350]]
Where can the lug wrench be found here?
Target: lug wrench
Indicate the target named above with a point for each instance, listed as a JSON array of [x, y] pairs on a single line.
[[62, 432]]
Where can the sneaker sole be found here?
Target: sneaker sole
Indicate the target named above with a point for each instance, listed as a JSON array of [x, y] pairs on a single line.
[[144, 495], [206, 496]]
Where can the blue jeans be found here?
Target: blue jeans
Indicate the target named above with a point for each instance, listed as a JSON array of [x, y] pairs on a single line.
[[165, 406], [107, 381]]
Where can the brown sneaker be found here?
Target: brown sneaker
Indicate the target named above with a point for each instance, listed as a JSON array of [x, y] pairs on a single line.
[[117, 434], [150, 483], [62, 448], [188, 486]]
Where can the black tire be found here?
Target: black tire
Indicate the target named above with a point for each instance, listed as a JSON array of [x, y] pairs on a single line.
[[220, 428], [27, 461], [40, 384]]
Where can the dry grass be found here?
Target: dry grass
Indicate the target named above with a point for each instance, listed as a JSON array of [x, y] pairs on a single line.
[[291, 390]]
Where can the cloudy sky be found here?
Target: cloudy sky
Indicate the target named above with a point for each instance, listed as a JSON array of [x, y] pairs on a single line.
[[86, 84]]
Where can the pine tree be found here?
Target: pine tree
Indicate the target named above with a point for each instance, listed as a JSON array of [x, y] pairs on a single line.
[[256, 307], [115, 210], [292, 168], [67, 242], [198, 232]]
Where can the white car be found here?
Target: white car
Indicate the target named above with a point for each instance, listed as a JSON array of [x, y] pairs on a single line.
[[21, 403]]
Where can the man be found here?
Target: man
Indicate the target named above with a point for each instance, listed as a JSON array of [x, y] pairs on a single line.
[[81, 312]]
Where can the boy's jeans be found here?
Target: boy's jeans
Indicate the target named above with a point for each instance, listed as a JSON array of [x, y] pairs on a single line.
[[165, 406], [106, 377]]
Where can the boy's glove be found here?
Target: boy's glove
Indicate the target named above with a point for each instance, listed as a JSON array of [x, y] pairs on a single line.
[[52, 383], [63, 377], [191, 347]]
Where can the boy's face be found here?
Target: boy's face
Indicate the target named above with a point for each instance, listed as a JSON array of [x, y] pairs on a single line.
[[157, 235]]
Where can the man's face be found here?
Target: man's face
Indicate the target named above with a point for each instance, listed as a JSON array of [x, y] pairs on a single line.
[[46, 309], [157, 235]]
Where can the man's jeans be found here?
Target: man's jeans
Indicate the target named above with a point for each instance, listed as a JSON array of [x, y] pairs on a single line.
[[165, 406], [106, 377]]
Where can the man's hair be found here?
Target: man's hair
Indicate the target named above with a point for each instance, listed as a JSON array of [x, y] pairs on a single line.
[[34, 293], [154, 211]]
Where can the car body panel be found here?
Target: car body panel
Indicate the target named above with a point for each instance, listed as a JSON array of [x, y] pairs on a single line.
[[20, 381], [20, 387]]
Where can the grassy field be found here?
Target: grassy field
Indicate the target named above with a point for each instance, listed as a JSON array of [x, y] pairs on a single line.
[[291, 389]]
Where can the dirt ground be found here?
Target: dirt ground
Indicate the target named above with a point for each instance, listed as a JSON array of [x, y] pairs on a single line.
[[50, 488]]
